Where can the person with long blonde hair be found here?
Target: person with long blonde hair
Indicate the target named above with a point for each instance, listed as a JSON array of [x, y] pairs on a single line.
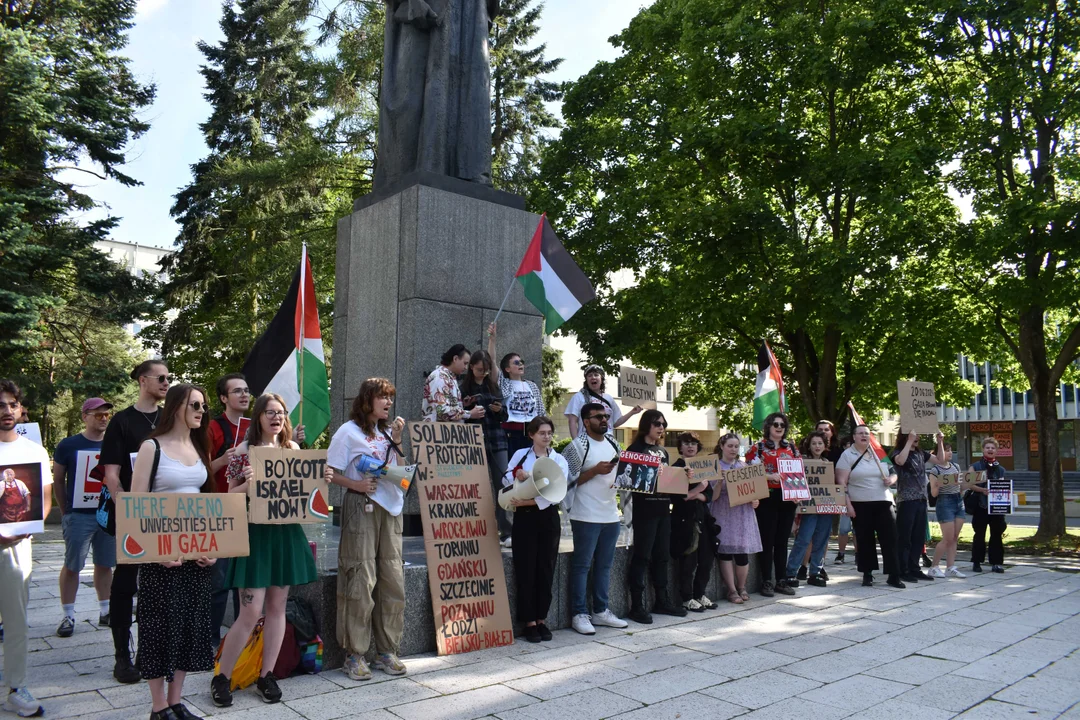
[[280, 558]]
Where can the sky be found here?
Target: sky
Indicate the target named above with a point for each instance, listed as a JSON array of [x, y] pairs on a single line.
[[162, 50]]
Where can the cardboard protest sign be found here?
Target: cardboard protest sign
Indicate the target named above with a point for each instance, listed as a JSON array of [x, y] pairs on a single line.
[[746, 484], [638, 472], [706, 468], [461, 539], [30, 431], [792, 479], [948, 479], [157, 527], [289, 486], [975, 477], [22, 499], [673, 480], [637, 387], [87, 488], [999, 502], [826, 496], [918, 408]]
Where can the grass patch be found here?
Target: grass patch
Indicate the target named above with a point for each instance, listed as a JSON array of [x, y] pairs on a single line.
[[1020, 541]]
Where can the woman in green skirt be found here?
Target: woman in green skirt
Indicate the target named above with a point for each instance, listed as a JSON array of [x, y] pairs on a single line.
[[280, 557]]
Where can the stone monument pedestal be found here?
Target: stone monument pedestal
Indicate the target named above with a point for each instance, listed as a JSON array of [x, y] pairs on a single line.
[[421, 266]]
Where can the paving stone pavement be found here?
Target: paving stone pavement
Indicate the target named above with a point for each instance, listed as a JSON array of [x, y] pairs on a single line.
[[991, 646]]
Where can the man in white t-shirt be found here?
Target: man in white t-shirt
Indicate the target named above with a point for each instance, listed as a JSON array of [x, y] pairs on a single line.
[[593, 459], [16, 561]]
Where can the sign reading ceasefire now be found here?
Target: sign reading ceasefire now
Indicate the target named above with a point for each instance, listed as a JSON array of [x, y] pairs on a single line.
[[289, 486], [157, 527], [461, 540], [746, 484]]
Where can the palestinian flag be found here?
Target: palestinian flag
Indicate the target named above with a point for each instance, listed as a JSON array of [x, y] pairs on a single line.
[[769, 391], [551, 279], [288, 359], [874, 444]]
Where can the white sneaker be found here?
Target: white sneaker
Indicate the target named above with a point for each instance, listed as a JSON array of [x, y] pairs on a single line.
[[23, 704], [582, 624], [706, 602], [693, 606], [935, 572], [953, 572], [608, 619], [507, 542]]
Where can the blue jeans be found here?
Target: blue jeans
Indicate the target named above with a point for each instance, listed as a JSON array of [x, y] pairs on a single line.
[[814, 533], [594, 546]]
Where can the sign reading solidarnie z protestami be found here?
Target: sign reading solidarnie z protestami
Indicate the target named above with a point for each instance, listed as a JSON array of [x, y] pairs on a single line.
[[461, 539]]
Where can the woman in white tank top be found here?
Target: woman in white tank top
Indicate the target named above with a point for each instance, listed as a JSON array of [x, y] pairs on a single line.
[[174, 597]]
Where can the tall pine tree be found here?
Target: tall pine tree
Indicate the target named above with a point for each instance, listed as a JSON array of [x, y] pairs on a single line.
[[518, 95], [256, 197], [69, 105]]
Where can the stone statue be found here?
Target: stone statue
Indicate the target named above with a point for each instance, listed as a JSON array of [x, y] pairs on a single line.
[[435, 105]]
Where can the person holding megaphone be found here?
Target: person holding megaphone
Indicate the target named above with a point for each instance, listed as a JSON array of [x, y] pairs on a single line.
[[533, 490], [371, 578]]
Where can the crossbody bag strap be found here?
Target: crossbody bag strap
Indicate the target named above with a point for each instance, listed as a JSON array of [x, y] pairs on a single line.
[[856, 463], [157, 460]]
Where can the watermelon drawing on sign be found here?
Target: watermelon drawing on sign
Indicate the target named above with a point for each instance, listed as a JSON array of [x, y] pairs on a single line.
[[317, 505], [131, 548]]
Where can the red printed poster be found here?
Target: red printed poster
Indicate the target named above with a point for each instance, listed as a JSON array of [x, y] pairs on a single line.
[[87, 488], [793, 479]]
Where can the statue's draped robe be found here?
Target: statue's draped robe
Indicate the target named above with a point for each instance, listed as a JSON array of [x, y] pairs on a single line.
[[435, 106]]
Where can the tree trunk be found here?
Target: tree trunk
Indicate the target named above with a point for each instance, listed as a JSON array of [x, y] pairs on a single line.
[[1051, 486]]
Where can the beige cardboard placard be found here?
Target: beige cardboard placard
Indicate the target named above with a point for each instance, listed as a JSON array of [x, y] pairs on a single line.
[[461, 540], [826, 497], [673, 480], [746, 484], [156, 527], [975, 477], [637, 387], [948, 479], [289, 486], [918, 408], [706, 468]]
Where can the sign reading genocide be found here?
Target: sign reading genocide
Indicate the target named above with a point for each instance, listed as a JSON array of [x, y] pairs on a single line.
[[289, 486], [637, 387], [792, 479], [746, 484], [461, 540], [826, 497], [918, 408], [706, 468], [156, 527]]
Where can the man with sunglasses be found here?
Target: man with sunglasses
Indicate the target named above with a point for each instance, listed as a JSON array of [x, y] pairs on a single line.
[[127, 431], [73, 458], [593, 458]]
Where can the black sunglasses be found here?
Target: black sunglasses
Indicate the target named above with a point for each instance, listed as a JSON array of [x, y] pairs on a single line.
[[199, 406], [599, 417], [659, 423], [780, 425], [162, 378]]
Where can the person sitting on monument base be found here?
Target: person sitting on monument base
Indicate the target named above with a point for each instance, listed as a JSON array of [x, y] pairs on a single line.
[[371, 577]]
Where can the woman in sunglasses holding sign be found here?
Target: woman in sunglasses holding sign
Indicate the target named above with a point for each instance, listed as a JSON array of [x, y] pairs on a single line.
[[651, 520], [775, 516], [280, 557], [371, 577]]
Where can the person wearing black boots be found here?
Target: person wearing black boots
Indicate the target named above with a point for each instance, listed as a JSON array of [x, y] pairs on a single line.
[[981, 519], [693, 533], [651, 520]]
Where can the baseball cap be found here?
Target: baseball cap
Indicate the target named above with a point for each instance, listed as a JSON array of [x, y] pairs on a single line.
[[95, 404]]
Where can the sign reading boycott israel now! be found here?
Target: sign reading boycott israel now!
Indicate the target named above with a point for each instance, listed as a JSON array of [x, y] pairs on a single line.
[[157, 527], [289, 486], [918, 408], [637, 387], [461, 539]]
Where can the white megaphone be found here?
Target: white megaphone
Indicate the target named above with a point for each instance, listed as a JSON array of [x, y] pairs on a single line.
[[546, 480], [400, 475]]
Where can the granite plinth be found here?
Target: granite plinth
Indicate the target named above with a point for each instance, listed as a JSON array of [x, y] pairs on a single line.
[[419, 270], [419, 634]]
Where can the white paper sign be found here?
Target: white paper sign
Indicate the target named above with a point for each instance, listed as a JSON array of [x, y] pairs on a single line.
[[30, 431], [87, 489]]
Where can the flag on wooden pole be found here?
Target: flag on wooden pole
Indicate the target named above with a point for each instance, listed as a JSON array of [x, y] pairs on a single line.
[[769, 390]]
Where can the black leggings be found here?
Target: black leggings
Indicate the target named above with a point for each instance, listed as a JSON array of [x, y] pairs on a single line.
[[125, 583], [695, 570], [775, 516], [741, 559]]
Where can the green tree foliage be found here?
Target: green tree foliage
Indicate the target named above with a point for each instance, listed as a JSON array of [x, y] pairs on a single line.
[[551, 364], [750, 170], [69, 104], [519, 115], [266, 187], [1011, 72]]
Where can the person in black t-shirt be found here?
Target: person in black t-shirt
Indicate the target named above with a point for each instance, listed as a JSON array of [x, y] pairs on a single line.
[[651, 520], [693, 533], [125, 434]]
